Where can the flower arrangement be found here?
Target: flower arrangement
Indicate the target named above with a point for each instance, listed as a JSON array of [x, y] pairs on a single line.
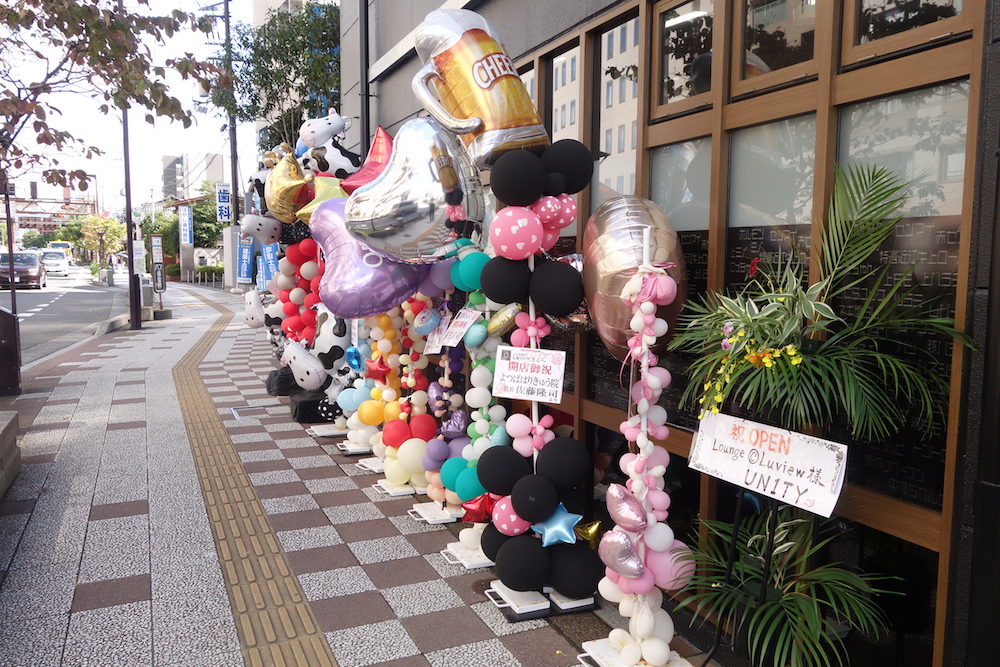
[[781, 348]]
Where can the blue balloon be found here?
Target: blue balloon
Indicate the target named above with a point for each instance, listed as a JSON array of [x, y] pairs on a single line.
[[353, 356], [558, 527], [300, 148], [476, 334], [501, 437]]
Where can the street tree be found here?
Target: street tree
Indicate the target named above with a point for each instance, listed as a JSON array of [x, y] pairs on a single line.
[[203, 215], [95, 49], [286, 69], [102, 236]]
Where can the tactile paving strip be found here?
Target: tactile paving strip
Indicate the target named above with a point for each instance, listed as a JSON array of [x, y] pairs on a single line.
[[275, 623]]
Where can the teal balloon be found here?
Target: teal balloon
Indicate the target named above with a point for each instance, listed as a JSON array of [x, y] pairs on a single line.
[[470, 267], [501, 438], [475, 336], [450, 471], [467, 485], [456, 277]]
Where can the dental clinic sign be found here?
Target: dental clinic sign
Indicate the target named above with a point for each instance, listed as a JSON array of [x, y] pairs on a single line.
[[793, 468]]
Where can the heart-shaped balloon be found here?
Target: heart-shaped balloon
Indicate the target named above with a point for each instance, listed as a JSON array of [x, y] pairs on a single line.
[[358, 281], [625, 509], [618, 553], [455, 425], [403, 212], [612, 242], [378, 158]]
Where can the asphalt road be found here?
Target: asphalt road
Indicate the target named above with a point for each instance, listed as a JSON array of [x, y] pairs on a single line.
[[64, 312]]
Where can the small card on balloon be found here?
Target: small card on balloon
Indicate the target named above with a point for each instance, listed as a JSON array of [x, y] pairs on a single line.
[[529, 374]]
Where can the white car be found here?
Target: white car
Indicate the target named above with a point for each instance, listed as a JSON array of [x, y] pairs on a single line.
[[56, 261]]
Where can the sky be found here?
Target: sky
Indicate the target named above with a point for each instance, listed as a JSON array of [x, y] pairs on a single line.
[[149, 143]]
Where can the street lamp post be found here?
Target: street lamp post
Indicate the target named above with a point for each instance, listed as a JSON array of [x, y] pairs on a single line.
[[135, 310]]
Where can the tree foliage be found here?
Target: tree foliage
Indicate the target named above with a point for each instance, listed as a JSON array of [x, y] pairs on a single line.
[[91, 48], [286, 68], [203, 216], [102, 235], [164, 224]]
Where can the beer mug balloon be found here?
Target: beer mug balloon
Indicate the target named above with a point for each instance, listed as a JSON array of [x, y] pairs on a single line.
[[482, 97]]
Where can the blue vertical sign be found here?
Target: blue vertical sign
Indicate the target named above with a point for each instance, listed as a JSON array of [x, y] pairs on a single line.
[[269, 253], [244, 261], [261, 282], [185, 223], [223, 203]]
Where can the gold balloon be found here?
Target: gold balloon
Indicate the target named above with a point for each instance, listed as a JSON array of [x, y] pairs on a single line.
[[589, 532], [612, 248], [503, 320], [282, 187], [327, 187]]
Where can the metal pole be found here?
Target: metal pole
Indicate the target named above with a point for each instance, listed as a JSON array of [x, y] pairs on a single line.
[[365, 88], [10, 245], [135, 311], [235, 189]]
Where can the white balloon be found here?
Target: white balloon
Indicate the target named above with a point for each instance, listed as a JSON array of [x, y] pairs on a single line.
[[480, 445], [630, 654], [286, 267], [478, 397], [659, 536], [497, 413], [627, 606], [657, 414], [654, 598], [619, 638], [491, 344], [642, 622], [481, 376], [284, 282], [663, 625], [309, 270], [655, 651], [418, 397], [468, 453], [297, 295], [610, 591], [469, 537]]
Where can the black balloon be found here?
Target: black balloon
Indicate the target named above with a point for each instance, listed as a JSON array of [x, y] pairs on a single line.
[[534, 498], [576, 569], [556, 288], [555, 184], [491, 540], [571, 159], [523, 564], [565, 462], [518, 178], [295, 232], [505, 280], [499, 468], [574, 500]]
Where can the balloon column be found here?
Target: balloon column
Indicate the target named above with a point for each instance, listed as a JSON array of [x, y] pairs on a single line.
[[640, 553]]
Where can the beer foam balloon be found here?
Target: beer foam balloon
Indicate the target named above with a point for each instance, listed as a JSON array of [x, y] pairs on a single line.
[[477, 92], [283, 186], [403, 214], [612, 247]]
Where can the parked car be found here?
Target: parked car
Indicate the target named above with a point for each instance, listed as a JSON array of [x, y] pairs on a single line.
[[29, 270], [55, 261]]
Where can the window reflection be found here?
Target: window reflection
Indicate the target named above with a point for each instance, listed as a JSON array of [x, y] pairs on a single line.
[[565, 93], [881, 18], [770, 194], [685, 51], [617, 68], [779, 33], [529, 83]]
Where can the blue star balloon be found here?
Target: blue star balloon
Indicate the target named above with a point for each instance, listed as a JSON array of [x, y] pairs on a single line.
[[558, 527]]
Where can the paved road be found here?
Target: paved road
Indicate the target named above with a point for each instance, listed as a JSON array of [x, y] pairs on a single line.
[[67, 310]]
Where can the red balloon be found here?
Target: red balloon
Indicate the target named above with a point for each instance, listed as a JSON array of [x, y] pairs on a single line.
[[395, 432], [314, 283], [294, 255], [375, 163], [294, 323], [304, 284], [417, 306], [422, 383], [308, 335], [308, 317], [308, 248], [311, 299], [290, 308], [283, 295], [423, 426], [479, 509]]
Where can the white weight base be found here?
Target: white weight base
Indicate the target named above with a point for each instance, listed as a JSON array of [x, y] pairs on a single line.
[[517, 601], [567, 604], [352, 448], [430, 513], [457, 553], [326, 431], [600, 652], [373, 464], [395, 490]]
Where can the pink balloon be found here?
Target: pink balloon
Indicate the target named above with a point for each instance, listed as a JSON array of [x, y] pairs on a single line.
[[625, 460], [641, 585], [625, 509], [618, 553], [671, 568], [506, 519], [611, 574], [518, 425], [436, 493], [659, 457], [567, 214], [662, 374], [516, 233], [547, 209], [658, 500], [549, 238], [358, 281]]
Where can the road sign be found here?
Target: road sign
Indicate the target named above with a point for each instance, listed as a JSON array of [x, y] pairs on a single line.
[[156, 256], [223, 203], [185, 223]]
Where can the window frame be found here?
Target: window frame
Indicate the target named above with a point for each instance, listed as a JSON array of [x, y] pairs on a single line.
[[926, 36]]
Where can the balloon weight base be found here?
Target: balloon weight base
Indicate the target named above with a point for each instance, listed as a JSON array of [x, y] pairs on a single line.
[[430, 513], [457, 553], [600, 653], [373, 464], [396, 490], [527, 606], [349, 448], [327, 431]]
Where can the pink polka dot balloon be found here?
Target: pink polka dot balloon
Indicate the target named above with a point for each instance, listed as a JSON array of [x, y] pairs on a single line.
[[516, 233], [548, 209], [549, 238], [567, 213], [506, 519]]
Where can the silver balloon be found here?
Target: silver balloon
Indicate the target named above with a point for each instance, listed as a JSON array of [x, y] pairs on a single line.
[[612, 247], [618, 552], [403, 212]]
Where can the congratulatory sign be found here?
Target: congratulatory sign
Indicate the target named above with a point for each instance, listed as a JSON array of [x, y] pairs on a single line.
[[793, 468]]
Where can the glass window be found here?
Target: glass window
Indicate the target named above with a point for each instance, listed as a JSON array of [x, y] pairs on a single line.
[[881, 18], [572, 112], [562, 115], [620, 184], [621, 139], [563, 95], [635, 32], [635, 132], [635, 89], [778, 33], [621, 88], [562, 70], [607, 141], [614, 118], [623, 39], [770, 194], [528, 78], [611, 45], [609, 94], [572, 68], [685, 43], [631, 183]]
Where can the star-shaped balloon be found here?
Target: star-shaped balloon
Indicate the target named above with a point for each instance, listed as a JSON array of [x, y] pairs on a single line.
[[589, 532], [558, 527], [282, 188], [378, 157], [378, 369], [326, 188], [479, 509]]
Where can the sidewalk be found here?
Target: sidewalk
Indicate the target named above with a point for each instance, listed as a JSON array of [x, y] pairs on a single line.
[[151, 526]]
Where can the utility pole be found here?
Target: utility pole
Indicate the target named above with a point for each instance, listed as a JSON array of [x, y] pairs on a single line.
[[135, 309], [236, 188]]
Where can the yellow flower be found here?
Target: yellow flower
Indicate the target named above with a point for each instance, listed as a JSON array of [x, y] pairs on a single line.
[[741, 333], [717, 398], [796, 361], [791, 349], [715, 410]]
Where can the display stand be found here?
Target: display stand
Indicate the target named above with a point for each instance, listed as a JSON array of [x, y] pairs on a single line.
[[431, 513], [457, 553], [600, 653], [373, 464], [531, 605], [386, 487]]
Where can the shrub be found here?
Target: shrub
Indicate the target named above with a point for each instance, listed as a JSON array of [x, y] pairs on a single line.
[[172, 269], [94, 268]]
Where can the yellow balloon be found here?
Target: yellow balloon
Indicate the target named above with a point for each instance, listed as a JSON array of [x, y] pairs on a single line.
[[281, 189], [390, 334], [376, 394], [392, 410], [394, 472], [384, 322], [326, 188], [370, 413]]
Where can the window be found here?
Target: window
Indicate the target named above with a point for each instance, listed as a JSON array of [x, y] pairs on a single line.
[[562, 70], [631, 183], [685, 44], [562, 115], [572, 112], [635, 132], [620, 185], [609, 94], [881, 18], [611, 45], [621, 138], [607, 142], [635, 89], [776, 36], [623, 38], [572, 68], [621, 88], [635, 32]]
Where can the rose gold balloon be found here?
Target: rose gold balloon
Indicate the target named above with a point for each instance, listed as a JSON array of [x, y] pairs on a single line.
[[612, 250]]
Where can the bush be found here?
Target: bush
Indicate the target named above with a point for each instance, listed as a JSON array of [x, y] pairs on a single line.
[[172, 269], [94, 268], [211, 271]]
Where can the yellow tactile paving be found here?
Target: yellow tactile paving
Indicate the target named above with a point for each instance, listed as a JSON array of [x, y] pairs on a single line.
[[273, 618]]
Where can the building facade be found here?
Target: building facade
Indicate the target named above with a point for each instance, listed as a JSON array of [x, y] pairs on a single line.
[[731, 116]]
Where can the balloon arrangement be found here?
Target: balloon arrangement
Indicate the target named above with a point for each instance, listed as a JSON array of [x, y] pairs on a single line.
[[297, 284], [641, 553]]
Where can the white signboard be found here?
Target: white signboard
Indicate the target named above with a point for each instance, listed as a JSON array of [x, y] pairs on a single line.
[[793, 468], [223, 203], [456, 330], [185, 224], [435, 339], [527, 374]]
